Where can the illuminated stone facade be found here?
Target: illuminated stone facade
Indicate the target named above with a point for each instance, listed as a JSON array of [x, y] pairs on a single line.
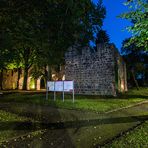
[[10, 79], [100, 72]]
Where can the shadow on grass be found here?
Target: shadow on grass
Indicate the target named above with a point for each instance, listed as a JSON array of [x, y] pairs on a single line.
[[22, 96], [29, 125], [124, 96], [68, 124]]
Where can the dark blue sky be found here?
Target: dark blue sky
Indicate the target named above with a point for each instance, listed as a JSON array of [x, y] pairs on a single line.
[[113, 25]]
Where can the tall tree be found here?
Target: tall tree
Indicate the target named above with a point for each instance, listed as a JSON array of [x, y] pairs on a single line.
[[71, 23], [17, 18], [102, 37], [6, 51], [137, 62], [43, 30], [138, 16]]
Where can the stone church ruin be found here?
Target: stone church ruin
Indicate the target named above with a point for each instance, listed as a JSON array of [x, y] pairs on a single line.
[[100, 72]]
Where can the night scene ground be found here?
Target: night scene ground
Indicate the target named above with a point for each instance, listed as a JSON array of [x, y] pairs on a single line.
[[73, 74]]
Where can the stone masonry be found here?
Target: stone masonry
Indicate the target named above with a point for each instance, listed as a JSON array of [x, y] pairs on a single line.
[[101, 72]]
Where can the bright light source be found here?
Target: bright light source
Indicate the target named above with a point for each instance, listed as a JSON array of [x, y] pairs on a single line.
[[63, 78], [53, 75], [32, 86], [122, 87], [32, 83]]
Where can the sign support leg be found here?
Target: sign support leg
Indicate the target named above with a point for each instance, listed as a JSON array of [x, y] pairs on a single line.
[[73, 98], [54, 92], [47, 91], [63, 91], [54, 95], [73, 95]]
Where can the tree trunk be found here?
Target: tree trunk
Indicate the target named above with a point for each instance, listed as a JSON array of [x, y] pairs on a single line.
[[18, 77], [135, 81], [1, 80], [145, 78], [45, 74], [25, 78], [45, 81], [49, 77]]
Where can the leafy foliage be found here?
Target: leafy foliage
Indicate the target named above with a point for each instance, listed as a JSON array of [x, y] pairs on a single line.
[[102, 37], [138, 16], [41, 31], [137, 61], [5, 49]]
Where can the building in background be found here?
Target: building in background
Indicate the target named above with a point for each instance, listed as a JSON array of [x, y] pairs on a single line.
[[100, 72], [95, 72]]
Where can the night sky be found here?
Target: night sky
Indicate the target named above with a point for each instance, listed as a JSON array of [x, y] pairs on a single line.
[[113, 25]]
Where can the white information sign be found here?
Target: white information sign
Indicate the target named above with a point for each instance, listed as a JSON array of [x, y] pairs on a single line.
[[68, 86], [60, 86], [50, 86]]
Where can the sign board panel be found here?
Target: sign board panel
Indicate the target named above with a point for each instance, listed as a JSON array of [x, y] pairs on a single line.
[[50, 86], [68, 86], [59, 86]]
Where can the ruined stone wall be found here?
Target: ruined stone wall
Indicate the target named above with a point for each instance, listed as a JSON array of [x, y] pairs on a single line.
[[92, 72], [9, 79], [100, 72]]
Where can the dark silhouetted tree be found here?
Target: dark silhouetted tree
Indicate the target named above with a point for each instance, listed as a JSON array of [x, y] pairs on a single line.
[[137, 63], [102, 37], [41, 31]]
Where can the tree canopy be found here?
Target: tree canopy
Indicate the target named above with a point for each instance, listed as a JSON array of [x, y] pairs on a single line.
[[138, 16], [102, 37], [41, 31], [137, 62]]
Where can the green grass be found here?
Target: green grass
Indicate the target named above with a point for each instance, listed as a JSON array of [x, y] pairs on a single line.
[[100, 104], [6, 117], [7, 133], [134, 139], [82, 102]]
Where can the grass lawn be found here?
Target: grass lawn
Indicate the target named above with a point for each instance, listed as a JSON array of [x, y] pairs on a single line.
[[82, 102], [100, 104], [135, 139], [8, 129], [5, 119]]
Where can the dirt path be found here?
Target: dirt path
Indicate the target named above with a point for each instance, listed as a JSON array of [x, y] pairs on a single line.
[[64, 128]]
